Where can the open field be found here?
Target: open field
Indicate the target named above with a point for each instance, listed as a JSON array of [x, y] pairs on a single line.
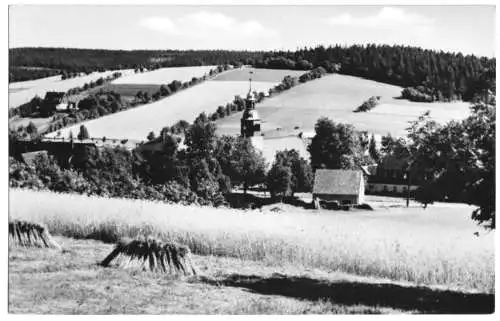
[[268, 75], [136, 123], [428, 247], [46, 281], [22, 92], [336, 96], [165, 75], [127, 90]]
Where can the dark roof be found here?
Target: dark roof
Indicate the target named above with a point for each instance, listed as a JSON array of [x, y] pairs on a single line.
[[337, 182], [30, 157]]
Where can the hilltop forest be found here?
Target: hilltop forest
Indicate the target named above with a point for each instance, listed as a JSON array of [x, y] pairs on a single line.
[[430, 75]]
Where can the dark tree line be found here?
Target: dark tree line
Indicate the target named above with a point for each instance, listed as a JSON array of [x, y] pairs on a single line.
[[437, 74], [27, 73], [69, 60], [441, 75]]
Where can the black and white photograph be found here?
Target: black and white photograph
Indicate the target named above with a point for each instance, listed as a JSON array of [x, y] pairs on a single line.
[[250, 158]]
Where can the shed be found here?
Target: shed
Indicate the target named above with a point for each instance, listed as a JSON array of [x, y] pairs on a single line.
[[342, 186]]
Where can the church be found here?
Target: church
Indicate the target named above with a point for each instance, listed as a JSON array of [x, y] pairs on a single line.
[[271, 141]]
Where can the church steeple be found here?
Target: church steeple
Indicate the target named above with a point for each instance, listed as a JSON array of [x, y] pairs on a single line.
[[250, 121]]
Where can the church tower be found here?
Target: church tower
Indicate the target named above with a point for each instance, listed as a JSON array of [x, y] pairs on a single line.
[[250, 121]]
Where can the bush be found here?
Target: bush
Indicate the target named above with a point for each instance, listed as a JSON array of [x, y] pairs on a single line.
[[368, 105], [413, 94]]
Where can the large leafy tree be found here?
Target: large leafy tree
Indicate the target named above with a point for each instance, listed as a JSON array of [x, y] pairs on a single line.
[[200, 137], [331, 141], [336, 146], [84, 133], [206, 176], [279, 180], [301, 171]]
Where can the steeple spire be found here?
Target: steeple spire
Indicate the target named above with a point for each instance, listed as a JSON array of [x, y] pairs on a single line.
[[250, 81]]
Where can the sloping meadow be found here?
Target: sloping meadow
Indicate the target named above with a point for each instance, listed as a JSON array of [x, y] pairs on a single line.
[[435, 246]]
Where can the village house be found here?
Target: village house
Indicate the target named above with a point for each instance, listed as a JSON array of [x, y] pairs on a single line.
[[391, 177], [345, 187]]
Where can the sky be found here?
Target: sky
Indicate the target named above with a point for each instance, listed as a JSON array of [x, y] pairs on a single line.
[[466, 29]]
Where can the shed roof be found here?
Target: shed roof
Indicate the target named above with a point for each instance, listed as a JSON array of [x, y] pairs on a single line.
[[337, 182]]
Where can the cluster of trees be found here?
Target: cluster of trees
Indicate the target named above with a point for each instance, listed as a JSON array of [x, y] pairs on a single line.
[[369, 104], [89, 177]]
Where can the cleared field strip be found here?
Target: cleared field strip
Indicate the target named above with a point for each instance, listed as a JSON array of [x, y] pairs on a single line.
[[336, 96], [165, 75], [41, 86], [270, 75], [137, 122]]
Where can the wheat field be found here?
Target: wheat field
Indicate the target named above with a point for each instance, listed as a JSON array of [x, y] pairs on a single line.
[[434, 247]]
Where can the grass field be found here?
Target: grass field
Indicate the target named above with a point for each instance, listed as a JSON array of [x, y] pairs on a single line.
[[266, 75], [432, 247], [165, 75], [23, 92], [187, 104], [336, 96]]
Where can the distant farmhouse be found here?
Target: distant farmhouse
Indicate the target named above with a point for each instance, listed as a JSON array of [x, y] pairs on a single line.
[[391, 177], [50, 102], [346, 187]]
